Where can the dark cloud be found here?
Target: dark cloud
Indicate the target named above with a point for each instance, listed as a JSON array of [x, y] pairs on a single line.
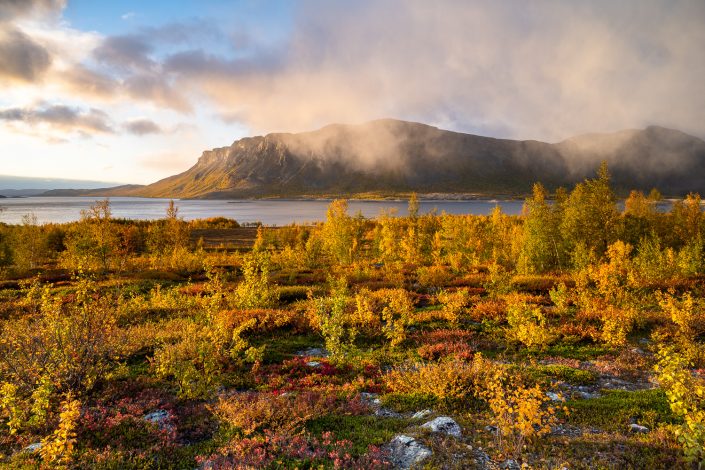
[[517, 69], [83, 81], [61, 117], [127, 52], [21, 58], [157, 89], [11, 9], [142, 127]]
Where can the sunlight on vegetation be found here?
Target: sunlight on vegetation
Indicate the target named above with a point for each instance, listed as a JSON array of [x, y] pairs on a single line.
[[174, 344]]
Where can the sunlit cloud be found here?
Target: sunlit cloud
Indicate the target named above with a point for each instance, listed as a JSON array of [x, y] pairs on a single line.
[[142, 127], [543, 70], [60, 117]]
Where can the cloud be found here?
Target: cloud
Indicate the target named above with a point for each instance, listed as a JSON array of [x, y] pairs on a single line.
[[126, 52], [21, 58], [60, 117], [543, 69], [142, 127], [82, 81], [12, 9], [157, 89]]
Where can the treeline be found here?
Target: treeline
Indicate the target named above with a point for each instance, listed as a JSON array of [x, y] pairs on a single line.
[[569, 231], [100, 243]]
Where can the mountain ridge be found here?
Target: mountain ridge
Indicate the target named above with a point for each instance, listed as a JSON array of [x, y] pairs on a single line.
[[390, 156]]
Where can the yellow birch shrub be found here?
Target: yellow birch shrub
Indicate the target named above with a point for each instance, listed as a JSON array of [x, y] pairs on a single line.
[[255, 291], [448, 380], [684, 312], [616, 324], [58, 448], [454, 304], [390, 310], [332, 317], [521, 414], [12, 411], [527, 324], [686, 396]]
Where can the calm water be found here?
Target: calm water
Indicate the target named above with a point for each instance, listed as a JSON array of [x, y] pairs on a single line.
[[272, 212]]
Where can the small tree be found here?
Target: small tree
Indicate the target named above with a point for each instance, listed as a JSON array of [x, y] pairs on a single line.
[[542, 245], [342, 234], [590, 215]]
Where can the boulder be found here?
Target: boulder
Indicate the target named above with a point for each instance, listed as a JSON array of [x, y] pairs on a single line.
[[405, 451], [444, 425], [638, 428], [421, 414]]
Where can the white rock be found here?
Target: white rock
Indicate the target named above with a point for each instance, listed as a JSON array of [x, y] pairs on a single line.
[[313, 364], [444, 425], [554, 396], [510, 465], [160, 418], [386, 413], [638, 428], [421, 414], [34, 447], [405, 451]]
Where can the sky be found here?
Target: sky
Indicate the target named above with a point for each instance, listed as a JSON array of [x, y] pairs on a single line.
[[134, 91]]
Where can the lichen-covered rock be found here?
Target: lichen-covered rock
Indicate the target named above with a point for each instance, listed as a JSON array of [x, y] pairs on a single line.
[[444, 425], [32, 448], [405, 451], [421, 414], [161, 418], [638, 428]]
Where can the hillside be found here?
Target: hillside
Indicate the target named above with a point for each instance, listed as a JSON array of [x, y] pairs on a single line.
[[390, 156]]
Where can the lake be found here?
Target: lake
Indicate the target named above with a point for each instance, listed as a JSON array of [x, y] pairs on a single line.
[[269, 212]]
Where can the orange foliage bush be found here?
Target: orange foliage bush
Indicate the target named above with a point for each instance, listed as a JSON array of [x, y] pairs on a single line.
[[489, 309], [253, 412]]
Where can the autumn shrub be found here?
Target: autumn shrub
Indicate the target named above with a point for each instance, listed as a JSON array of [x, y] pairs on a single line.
[[275, 449], [198, 357], [440, 351], [253, 412], [521, 414], [489, 309], [560, 297], [527, 324], [58, 448], [194, 362], [616, 324], [433, 277], [127, 428], [686, 396], [264, 321], [331, 315], [445, 335], [447, 380], [72, 341], [255, 290], [454, 304], [499, 282], [388, 310], [686, 312]]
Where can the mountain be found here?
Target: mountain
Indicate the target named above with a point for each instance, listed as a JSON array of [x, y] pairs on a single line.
[[21, 186], [390, 156]]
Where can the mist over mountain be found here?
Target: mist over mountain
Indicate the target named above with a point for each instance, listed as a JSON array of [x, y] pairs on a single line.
[[391, 156]]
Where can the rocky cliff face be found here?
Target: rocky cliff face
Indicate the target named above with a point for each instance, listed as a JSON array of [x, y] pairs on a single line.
[[389, 156]]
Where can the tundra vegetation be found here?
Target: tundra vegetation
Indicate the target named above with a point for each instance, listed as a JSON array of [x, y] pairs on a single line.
[[571, 336]]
